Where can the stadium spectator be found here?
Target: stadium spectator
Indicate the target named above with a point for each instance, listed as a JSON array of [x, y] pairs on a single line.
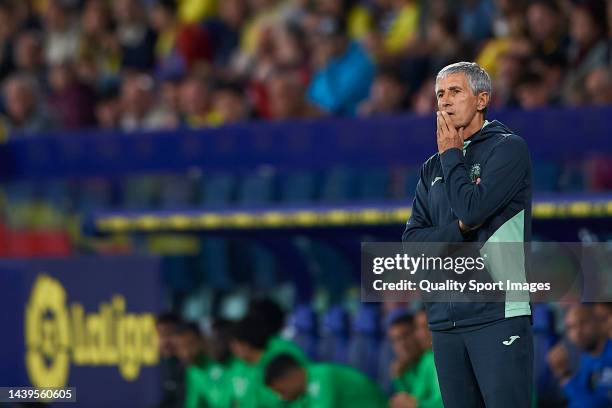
[[285, 96], [531, 91], [29, 58], [71, 101], [546, 29], [344, 72], [590, 386], [413, 371], [599, 86], [170, 101], [588, 49], [136, 39], [230, 104], [195, 102], [62, 32], [225, 29], [388, 95], [8, 32], [25, 111], [321, 385], [138, 108], [99, 54], [107, 109]]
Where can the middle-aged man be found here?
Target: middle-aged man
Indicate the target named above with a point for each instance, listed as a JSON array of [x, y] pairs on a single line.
[[477, 188]]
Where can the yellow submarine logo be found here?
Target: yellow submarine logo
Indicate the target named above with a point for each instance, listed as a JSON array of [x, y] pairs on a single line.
[[59, 335]]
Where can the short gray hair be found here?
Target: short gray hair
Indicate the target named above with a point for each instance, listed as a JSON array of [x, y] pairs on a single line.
[[478, 79]]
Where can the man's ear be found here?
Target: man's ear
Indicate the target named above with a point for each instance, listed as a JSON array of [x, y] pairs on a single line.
[[483, 101]]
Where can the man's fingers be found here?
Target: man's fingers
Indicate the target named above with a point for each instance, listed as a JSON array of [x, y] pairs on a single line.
[[447, 122]]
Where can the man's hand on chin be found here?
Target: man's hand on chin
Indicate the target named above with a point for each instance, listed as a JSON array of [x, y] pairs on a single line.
[[448, 137]]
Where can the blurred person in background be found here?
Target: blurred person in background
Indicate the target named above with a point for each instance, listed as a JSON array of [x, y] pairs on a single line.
[[196, 104], [591, 384], [225, 30], [231, 104], [285, 92], [136, 38], [388, 95], [8, 32], [189, 344], [532, 92], [321, 385], [62, 34], [29, 58], [211, 384], [547, 29], [476, 20], [108, 109], [255, 343], [138, 104], [588, 50], [343, 70], [413, 371], [397, 29], [99, 54], [171, 372], [25, 111], [424, 101], [71, 102], [598, 86], [170, 104]]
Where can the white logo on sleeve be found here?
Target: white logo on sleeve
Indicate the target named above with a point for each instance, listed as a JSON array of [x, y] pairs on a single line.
[[510, 341], [435, 180]]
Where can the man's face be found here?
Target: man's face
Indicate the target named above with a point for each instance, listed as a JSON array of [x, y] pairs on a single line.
[[455, 97], [243, 351], [291, 386], [402, 339], [582, 327], [188, 346], [164, 333]]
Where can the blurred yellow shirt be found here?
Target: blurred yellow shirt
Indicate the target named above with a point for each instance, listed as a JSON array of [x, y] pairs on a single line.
[[403, 28], [194, 11]]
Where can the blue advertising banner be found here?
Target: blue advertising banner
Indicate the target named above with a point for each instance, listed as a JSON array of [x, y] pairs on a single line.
[[87, 323], [551, 134]]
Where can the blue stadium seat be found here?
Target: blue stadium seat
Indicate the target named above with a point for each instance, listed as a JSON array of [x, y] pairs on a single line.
[[335, 328], [339, 184], [546, 176], [373, 184], [298, 187], [303, 326], [140, 192], [365, 342], [256, 189], [217, 189], [94, 194], [214, 263], [176, 191]]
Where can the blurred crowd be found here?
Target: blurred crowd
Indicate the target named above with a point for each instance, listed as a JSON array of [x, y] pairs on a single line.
[[259, 361], [167, 64]]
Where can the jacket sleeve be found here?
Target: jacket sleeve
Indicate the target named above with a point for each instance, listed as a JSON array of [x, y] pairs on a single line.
[[502, 177], [419, 227]]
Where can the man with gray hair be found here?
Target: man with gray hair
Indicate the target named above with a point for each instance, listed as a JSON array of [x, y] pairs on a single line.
[[476, 188]]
